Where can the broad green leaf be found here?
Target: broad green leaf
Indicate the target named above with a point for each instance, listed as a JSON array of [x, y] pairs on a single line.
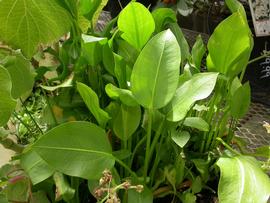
[[127, 121], [203, 167], [92, 49], [88, 7], [163, 16], [63, 189], [128, 52], [21, 73], [145, 196], [27, 23], [7, 103], [242, 180], [240, 101], [197, 88], [120, 70], [176, 30], [125, 96], [122, 154], [137, 24], [108, 59], [91, 9], [180, 138], [91, 100], [154, 86], [36, 168], [197, 52], [79, 149], [236, 83], [196, 122], [229, 53]]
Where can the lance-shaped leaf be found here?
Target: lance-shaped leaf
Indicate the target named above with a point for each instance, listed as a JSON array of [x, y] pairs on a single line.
[[25, 24], [229, 53], [91, 100], [242, 180], [7, 103], [163, 16], [239, 109], [79, 149], [197, 52], [176, 30], [154, 77], [36, 168], [197, 88], [21, 73], [137, 24], [127, 121]]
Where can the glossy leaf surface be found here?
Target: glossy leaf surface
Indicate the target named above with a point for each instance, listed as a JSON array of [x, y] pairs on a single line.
[[242, 180], [26, 24], [230, 52], [7, 103], [124, 95], [79, 149], [37, 169], [240, 101], [176, 30], [21, 73], [181, 138], [158, 64], [91, 100], [197, 88], [197, 52], [137, 24], [127, 121], [162, 16]]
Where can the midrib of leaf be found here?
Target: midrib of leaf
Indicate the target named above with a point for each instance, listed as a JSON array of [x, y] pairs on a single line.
[[136, 28], [156, 76], [242, 181], [75, 150]]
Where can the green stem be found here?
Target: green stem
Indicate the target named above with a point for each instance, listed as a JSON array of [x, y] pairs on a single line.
[[156, 161], [228, 147], [121, 163], [136, 149], [148, 144], [156, 138], [30, 115]]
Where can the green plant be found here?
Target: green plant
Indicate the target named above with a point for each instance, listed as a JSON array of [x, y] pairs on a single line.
[[128, 109]]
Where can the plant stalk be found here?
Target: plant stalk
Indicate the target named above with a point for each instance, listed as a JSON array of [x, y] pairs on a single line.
[[148, 144]]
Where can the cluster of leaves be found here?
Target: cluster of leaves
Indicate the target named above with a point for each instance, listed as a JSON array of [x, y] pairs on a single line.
[[131, 99]]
